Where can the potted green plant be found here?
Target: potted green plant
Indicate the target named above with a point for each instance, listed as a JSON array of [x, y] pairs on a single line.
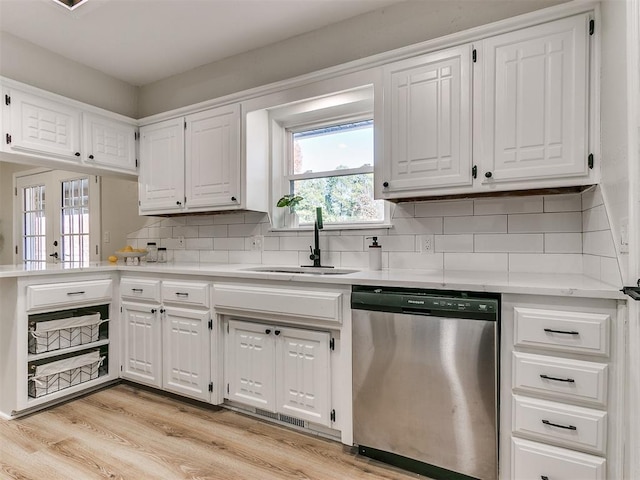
[[291, 201]]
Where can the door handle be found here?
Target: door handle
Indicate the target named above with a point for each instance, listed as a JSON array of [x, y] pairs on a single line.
[[54, 255]]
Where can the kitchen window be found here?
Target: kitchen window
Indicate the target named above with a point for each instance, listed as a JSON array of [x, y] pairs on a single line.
[[59, 218], [327, 159]]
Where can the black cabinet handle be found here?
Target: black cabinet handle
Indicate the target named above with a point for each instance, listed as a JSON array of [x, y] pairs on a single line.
[[77, 154], [233, 199], [544, 477], [137, 290], [556, 379], [153, 310], [267, 331], [474, 171], [178, 202], [75, 293], [564, 332], [385, 184], [182, 294], [90, 157], [488, 174], [162, 310], [566, 427], [277, 332]]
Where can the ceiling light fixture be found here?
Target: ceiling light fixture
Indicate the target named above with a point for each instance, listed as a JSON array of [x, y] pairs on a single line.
[[70, 4]]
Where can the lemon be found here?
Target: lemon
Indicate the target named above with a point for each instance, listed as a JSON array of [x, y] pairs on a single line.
[[113, 259]]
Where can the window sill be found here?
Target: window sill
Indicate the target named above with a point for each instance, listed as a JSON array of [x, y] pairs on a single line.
[[309, 228]]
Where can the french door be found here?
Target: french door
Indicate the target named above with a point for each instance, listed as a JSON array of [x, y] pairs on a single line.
[[58, 218]]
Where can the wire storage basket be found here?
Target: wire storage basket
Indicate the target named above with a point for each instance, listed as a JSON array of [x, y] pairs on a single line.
[[60, 374], [63, 333]]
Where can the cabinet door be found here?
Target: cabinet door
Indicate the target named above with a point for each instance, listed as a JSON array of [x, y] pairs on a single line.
[[186, 352], [303, 374], [535, 120], [109, 143], [142, 350], [43, 126], [427, 121], [213, 157], [161, 179], [249, 365]]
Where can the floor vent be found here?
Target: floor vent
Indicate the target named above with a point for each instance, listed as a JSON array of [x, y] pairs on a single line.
[[291, 420], [265, 413]]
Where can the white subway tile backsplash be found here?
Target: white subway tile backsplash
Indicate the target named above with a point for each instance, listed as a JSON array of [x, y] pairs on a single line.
[[280, 258], [189, 256], [213, 231], [509, 243], [454, 243], [199, 243], [563, 203], [491, 262], [449, 208], [595, 219], [231, 243], [244, 229], [214, 256], [503, 205], [546, 222], [187, 231], [411, 260], [562, 243], [598, 243], [245, 256], [545, 263], [408, 226], [476, 224], [520, 234], [395, 243]]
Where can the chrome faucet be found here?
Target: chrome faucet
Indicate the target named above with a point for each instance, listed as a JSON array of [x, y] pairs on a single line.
[[315, 252]]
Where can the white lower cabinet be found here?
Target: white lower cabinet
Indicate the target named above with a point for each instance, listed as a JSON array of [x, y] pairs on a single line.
[[279, 369], [167, 339], [185, 352], [142, 349], [560, 413]]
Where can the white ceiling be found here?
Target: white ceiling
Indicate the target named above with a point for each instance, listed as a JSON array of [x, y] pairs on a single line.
[[141, 41]]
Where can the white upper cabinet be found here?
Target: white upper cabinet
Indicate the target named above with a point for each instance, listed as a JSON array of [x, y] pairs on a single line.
[[44, 127], [109, 143], [212, 168], [534, 102], [427, 123], [161, 177], [192, 164]]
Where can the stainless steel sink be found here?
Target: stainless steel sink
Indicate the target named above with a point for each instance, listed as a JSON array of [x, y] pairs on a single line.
[[302, 270]]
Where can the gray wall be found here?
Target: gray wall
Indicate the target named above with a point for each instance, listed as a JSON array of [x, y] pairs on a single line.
[[379, 31], [28, 63]]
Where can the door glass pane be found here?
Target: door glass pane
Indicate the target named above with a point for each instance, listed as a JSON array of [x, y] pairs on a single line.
[[34, 247], [75, 220]]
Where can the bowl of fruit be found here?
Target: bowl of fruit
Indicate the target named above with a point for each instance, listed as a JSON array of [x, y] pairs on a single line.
[[129, 255]]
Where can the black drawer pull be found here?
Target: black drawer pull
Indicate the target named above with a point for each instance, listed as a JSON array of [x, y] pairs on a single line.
[[182, 294], [137, 290], [564, 332], [544, 477], [566, 427], [568, 380], [75, 293]]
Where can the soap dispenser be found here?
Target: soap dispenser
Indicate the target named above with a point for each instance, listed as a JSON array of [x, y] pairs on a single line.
[[375, 255]]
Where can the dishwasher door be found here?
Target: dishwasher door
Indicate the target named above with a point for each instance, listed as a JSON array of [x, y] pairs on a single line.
[[425, 389]]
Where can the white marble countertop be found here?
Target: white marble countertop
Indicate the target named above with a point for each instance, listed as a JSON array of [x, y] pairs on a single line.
[[498, 282]]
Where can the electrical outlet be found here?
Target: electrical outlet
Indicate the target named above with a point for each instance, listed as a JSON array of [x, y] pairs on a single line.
[[624, 236], [106, 237], [257, 242], [426, 244]]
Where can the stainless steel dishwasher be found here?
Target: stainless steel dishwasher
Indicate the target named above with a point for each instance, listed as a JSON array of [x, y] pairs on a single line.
[[425, 380]]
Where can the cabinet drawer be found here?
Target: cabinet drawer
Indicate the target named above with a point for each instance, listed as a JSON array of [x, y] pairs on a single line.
[[578, 332], [140, 289], [309, 304], [535, 461], [70, 293], [560, 378], [187, 293], [565, 425]]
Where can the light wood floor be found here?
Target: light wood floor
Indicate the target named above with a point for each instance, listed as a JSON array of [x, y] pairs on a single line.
[[127, 433]]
